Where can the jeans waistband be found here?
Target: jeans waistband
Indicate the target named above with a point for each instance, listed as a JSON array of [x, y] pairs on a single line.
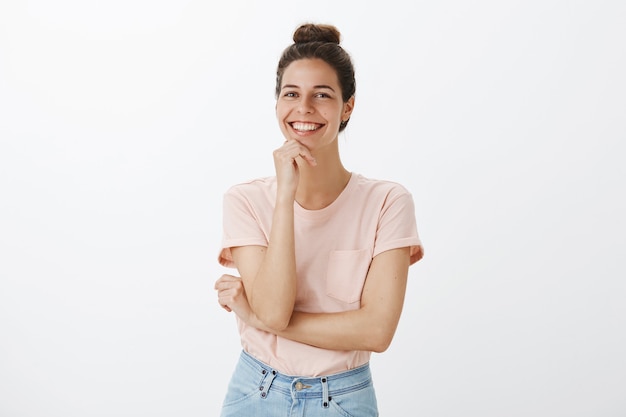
[[308, 387]]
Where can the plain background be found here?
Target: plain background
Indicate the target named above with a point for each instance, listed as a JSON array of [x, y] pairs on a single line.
[[123, 122]]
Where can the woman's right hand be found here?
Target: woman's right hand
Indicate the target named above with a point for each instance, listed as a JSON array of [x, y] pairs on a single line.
[[286, 165]]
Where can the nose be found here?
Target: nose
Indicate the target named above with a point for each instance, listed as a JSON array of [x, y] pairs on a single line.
[[305, 106]]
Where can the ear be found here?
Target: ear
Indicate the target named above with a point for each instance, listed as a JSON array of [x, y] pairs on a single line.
[[348, 106]]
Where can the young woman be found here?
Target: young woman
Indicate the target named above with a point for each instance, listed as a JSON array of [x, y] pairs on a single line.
[[322, 253]]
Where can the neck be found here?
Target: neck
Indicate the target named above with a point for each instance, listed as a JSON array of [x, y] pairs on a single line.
[[320, 185]]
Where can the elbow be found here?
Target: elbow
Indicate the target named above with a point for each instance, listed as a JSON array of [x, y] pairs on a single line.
[[275, 317], [276, 325], [377, 328], [380, 346], [380, 340], [276, 322]]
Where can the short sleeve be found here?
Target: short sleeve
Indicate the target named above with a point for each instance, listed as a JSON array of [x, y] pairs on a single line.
[[397, 227], [241, 226]]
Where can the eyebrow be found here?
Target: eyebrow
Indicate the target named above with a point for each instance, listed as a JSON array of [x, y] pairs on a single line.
[[315, 87]]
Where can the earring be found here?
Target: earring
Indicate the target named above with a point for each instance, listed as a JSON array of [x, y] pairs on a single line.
[[343, 124]]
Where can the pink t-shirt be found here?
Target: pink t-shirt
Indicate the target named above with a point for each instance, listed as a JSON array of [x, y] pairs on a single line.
[[334, 248]]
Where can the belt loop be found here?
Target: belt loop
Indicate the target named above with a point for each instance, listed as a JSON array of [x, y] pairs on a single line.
[[325, 396], [266, 382]]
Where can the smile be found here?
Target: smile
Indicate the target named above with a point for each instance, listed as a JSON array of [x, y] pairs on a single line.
[[305, 127]]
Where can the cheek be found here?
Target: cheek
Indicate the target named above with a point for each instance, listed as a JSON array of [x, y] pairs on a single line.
[[332, 116], [281, 112]]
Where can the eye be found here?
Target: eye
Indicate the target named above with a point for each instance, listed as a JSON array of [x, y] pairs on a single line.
[[322, 95], [290, 94]]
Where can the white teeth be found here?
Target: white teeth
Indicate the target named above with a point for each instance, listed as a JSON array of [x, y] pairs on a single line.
[[304, 126]]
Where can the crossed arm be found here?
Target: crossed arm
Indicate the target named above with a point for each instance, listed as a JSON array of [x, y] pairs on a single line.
[[371, 327]]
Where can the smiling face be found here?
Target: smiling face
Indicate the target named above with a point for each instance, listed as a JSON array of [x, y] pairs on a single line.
[[309, 107]]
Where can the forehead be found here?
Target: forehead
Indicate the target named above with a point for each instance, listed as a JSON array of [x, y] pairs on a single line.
[[310, 72]]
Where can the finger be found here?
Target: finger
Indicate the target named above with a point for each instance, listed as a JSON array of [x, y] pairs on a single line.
[[302, 150], [223, 302], [222, 285], [309, 159], [225, 279], [228, 295], [228, 285], [305, 154]]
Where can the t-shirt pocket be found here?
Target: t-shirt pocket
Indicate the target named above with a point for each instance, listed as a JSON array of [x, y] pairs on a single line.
[[347, 270]]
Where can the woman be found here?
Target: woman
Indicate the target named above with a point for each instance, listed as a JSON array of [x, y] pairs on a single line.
[[322, 253]]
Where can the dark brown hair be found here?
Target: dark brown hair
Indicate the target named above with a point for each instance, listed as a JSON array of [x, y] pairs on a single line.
[[322, 42]]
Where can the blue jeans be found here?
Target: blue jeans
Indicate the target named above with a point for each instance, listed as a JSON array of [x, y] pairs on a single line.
[[257, 390]]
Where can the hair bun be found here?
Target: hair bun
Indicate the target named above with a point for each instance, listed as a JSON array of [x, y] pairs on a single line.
[[310, 32]]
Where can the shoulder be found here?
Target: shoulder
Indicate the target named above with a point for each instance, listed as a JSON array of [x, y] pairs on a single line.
[[254, 189], [381, 188]]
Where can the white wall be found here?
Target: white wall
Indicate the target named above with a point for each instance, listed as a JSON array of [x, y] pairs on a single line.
[[123, 122]]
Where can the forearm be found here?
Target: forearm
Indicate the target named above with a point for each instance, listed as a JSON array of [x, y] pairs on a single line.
[[273, 291], [349, 330], [372, 326], [270, 275]]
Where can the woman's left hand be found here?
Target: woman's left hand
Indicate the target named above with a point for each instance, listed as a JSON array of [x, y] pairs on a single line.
[[231, 295]]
